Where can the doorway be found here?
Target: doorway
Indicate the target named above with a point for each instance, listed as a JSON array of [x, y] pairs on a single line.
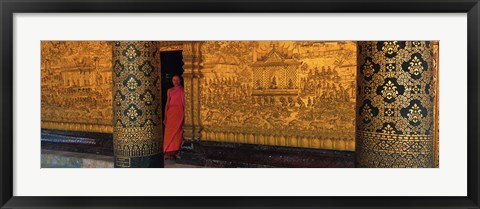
[[171, 65]]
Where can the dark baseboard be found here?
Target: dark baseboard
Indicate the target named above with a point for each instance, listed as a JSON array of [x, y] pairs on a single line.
[[77, 141], [187, 155], [209, 154], [220, 154]]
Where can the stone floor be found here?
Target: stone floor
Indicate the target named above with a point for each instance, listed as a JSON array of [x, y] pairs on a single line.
[[173, 164], [62, 159]]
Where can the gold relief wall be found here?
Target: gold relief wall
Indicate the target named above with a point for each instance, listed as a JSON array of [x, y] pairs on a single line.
[[170, 45], [283, 93], [76, 85]]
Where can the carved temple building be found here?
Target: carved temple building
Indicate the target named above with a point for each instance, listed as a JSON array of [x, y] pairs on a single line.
[[247, 103]]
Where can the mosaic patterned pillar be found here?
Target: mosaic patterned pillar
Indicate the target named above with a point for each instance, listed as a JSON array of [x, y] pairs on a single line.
[[137, 133], [395, 104]]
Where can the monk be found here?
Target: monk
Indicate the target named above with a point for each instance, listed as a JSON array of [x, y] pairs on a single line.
[[173, 121]]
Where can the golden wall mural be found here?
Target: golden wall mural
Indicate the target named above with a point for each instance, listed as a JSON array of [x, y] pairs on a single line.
[[76, 85], [284, 93]]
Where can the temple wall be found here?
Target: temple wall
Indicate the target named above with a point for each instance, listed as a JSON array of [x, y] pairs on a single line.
[[287, 93], [76, 85], [315, 109]]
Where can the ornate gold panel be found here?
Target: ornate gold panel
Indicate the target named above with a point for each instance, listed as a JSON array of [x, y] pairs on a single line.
[[282, 93], [170, 45], [76, 85]]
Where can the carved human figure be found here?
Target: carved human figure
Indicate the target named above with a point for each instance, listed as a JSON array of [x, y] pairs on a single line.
[[273, 85], [290, 84], [258, 85]]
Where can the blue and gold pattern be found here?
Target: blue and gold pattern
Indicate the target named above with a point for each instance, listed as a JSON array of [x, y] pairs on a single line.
[[138, 131], [395, 116]]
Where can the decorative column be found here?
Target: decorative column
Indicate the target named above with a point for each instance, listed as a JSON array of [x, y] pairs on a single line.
[[395, 104], [197, 76], [137, 133], [188, 65], [191, 79]]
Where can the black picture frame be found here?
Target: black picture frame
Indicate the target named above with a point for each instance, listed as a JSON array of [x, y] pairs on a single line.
[[10, 7]]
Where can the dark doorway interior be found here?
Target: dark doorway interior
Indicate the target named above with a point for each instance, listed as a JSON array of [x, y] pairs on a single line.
[[171, 64]]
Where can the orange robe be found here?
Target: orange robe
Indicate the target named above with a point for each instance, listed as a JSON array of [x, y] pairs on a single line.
[[174, 113]]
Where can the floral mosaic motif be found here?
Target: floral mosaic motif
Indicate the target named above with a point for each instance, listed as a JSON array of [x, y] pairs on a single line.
[[146, 68], [367, 90], [118, 113], [389, 112], [148, 98], [149, 84], [148, 123], [131, 68], [118, 68], [390, 48], [390, 67], [368, 111], [389, 128], [131, 52], [390, 90], [415, 66], [119, 97], [416, 43], [369, 68], [132, 112], [415, 89], [132, 97], [131, 82], [414, 113]]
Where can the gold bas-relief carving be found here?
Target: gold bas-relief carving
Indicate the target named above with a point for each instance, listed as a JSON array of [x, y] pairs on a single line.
[[76, 85], [170, 45], [283, 93]]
